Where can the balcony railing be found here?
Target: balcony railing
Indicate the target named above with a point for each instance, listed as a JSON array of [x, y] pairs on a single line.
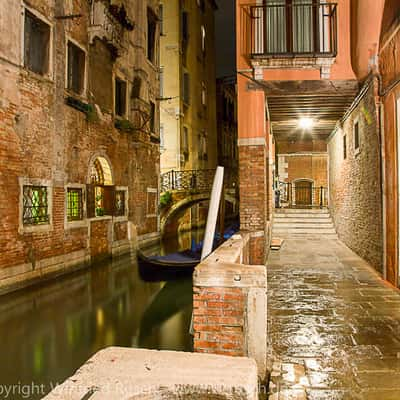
[[302, 29]]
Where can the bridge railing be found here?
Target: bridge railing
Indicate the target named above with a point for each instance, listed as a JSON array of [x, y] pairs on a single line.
[[201, 180]]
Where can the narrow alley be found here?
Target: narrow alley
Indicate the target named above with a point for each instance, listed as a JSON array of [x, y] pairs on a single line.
[[333, 324]]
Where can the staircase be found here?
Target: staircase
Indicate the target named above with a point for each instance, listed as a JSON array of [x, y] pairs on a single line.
[[303, 223]]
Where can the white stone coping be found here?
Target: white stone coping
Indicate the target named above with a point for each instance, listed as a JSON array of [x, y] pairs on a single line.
[[126, 373], [224, 267]]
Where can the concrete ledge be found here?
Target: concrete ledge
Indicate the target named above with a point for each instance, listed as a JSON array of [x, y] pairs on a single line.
[[124, 373]]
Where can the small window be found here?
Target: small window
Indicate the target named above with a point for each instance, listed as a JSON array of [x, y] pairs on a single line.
[[119, 203], [185, 140], [120, 97], [186, 88], [203, 94], [136, 87], [344, 147], [162, 139], [185, 27], [74, 204], [76, 68], [161, 82], [161, 14], [356, 136], [152, 117], [35, 205], [151, 35], [203, 38], [36, 44], [202, 5]]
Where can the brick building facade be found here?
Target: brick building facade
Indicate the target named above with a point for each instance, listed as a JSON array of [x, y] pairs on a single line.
[[79, 143], [355, 178]]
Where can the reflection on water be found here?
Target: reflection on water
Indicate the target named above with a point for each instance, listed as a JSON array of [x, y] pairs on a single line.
[[47, 332]]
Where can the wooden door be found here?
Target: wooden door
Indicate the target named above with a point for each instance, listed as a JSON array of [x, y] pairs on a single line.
[[303, 193]]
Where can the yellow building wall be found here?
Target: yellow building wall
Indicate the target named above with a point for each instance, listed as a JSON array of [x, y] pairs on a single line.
[[176, 116]]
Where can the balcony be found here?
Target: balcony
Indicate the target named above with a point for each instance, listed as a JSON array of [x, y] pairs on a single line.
[[111, 24], [289, 35]]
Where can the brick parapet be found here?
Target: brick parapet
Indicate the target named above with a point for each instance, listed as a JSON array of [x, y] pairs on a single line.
[[229, 304]]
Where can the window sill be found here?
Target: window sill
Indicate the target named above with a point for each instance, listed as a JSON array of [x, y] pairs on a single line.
[[42, 78], [76, 224], [121, 218], [25, 229], [102, 218]]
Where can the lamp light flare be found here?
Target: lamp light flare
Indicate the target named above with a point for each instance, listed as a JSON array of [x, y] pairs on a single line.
[[306, 123]]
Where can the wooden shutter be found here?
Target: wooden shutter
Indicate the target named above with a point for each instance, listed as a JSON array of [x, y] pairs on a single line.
[[109, 200], [90, 201]]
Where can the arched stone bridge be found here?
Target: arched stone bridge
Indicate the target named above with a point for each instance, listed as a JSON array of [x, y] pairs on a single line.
[[188, 188]]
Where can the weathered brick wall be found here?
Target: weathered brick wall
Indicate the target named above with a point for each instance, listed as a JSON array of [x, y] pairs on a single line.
[[304, 166], [355, 183], [43, 138], [229, 303], [296, 146], [253, 177], [99, 241], [218, 320]]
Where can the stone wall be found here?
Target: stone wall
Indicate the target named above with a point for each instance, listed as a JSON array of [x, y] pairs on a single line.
[[355, 181], [229, 303], [44, 141]]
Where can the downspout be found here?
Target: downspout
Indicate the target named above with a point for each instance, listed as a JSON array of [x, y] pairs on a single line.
[[381, 132]]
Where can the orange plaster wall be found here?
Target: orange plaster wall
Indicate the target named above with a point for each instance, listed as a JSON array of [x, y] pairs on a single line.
[[251, 110], [366, 17]]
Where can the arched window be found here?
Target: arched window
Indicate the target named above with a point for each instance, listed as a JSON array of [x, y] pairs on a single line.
[[100, 191]]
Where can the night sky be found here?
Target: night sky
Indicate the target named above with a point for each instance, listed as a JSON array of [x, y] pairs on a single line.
[[225, 37]]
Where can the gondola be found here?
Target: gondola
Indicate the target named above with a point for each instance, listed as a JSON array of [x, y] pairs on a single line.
[[164, 268]]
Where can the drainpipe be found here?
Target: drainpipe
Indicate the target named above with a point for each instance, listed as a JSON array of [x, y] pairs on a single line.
[[380, 131]]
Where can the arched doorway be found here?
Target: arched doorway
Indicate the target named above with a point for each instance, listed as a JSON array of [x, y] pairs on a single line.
[[100, 190], [303, 192]]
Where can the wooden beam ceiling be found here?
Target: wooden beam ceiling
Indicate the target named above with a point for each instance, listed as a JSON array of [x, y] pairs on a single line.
[[323, 101]]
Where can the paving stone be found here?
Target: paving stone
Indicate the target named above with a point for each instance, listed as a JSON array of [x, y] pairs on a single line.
[[335, 321]]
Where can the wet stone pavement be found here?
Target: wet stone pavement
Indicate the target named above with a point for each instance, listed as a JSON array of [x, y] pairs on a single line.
[[334, 325]]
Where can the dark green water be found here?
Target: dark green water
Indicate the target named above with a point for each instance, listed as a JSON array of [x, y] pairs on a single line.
[[48, 331]]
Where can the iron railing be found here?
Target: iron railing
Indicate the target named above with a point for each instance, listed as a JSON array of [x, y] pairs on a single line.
[[199, 180], [296, 29], [292, 195]]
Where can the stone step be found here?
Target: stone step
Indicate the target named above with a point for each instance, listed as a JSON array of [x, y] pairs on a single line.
[[308, 216], [277, 231], [296, 220], [301, 211], [308, 225], [330, 236]]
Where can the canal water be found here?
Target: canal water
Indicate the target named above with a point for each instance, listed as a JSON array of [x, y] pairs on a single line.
[[48, 331]]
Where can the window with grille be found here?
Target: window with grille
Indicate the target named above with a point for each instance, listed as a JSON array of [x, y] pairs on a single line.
[[36, 44], [74, 204], [119, 203], [120, 97], [35, 205], [76, 68]]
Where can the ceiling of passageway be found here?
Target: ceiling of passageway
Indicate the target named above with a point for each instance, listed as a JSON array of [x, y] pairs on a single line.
[[324, 101]]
